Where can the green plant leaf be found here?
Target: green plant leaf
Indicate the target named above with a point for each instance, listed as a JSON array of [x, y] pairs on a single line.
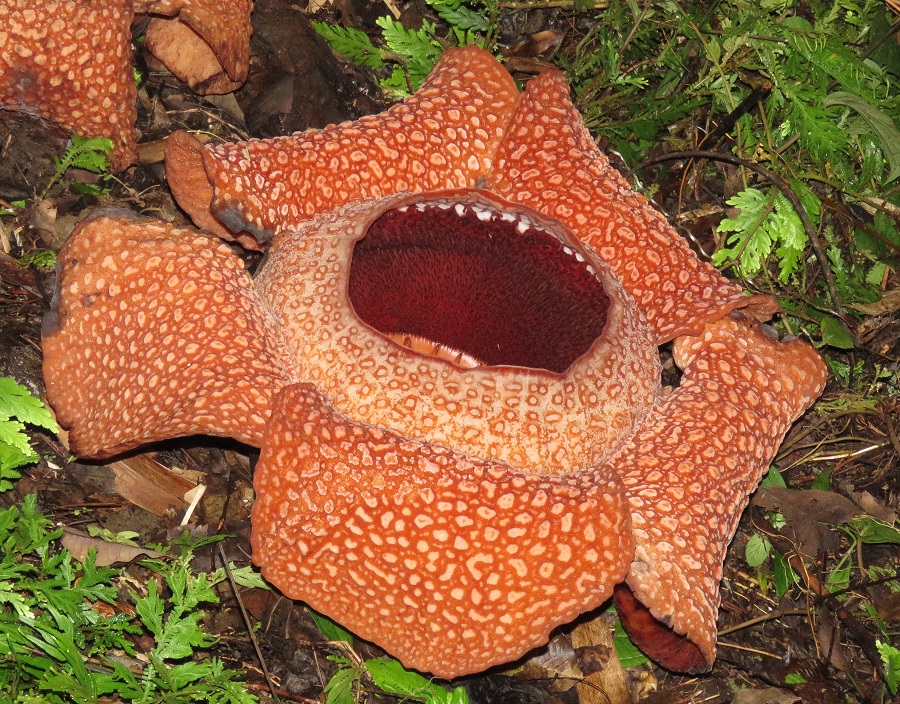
[[460, 16], [391, 677], [878, 121], [835, 333], [782, 574], [764, 221], [757, 550], [419, 51], [352, 43], [822, 480], [88, 154], [873, 532], [331, 630], [773, 478], [890, 656], [17, 402], [341, 687], [629, 654], [18, 407]]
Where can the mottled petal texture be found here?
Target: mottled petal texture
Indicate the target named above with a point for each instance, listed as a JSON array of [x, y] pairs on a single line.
[[690, 468], [69, 62], [525, 417], [158, 333], [454, 514], [451, 563], [444, 136], [549, 161]]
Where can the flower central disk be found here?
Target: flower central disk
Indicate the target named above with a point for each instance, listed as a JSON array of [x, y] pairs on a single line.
[[461, 319], [489, 286]]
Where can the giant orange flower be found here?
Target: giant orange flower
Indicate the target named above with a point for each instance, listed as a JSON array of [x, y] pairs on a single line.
[[449, 359]]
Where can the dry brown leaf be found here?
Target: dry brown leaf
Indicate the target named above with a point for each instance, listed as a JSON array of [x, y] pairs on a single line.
[[13, 273], [870, 504], [554, 663], [887, 604], [79, 543], [805, 511], [152, 486], [828, 636], [889, 303], [539, 44], [770, 695], [604, 681]]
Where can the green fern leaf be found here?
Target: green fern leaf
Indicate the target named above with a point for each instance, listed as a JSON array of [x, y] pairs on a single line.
[[751, 244], [458, 16], [764, 221], [352, 43], [786, 227], [418, 50]]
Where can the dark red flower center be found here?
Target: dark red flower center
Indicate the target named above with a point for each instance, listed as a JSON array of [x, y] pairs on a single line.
[[478, 281]]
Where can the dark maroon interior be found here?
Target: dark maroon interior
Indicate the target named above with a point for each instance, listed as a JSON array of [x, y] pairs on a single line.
[[479, 287], [659, 642]]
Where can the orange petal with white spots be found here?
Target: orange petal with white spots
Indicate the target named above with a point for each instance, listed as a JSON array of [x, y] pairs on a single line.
[[70, 63], [549, 161], [444, 136], [689, 472], [451, 563], [157, 333]]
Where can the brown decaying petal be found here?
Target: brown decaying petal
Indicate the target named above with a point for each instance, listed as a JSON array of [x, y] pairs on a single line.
[[549, 161], [442, 137], [692, 465], [452, 563], [206, 43], [524, 417], [158, 333], [69, 61]]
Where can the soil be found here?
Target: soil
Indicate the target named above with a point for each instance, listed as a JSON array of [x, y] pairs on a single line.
[[808, 644]]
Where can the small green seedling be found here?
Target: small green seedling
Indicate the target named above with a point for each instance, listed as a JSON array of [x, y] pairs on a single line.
[[88, 154], [387, 674]]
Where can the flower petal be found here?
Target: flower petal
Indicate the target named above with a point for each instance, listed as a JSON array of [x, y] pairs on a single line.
[[549, 161], [206, 43], [452, 564], [690, 469], [444, 136], [158, 333], [70, 63]]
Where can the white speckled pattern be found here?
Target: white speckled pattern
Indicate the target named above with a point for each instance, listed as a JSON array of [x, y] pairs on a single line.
[[528, 418], [69, 61], [458, 563], [454, 516], [180, 343]]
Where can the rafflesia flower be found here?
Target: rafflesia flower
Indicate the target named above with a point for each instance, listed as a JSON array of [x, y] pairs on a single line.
[[449, 359], [69, 61]]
